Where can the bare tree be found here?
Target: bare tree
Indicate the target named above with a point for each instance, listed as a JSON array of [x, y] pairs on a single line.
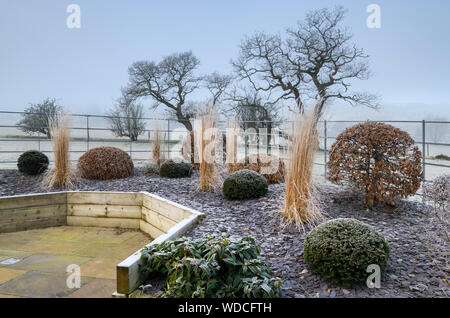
[[37, 116], [217, 84], [126, 119], [316, 61], [251, 112], [168, 83]]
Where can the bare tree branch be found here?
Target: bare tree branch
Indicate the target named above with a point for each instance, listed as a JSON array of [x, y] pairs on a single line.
[[36, 117], [168, 83], [126, 119], [216, 85], [316, 61]]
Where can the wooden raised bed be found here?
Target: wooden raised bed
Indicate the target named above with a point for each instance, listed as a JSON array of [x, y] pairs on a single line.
[[160, 218]]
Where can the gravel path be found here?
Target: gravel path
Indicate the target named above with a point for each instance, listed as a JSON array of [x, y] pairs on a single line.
[[414, 270]]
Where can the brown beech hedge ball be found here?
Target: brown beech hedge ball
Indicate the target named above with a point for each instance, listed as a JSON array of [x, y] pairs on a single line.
[[377, 159], [105, 163]]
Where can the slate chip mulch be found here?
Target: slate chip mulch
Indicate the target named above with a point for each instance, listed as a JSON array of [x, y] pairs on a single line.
[[414, 270]]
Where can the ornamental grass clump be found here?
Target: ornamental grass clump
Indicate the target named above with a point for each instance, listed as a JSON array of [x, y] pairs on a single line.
[[245, 184], [210, 267], [61, 175], [207, 134], [342, 249], [157, 155], [301, 204], [377, 159], [32, 162]]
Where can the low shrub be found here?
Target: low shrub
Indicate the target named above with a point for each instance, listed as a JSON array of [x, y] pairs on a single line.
[[32, 162], [172, 169], [105, 163], [342, 249], [245, 184], [269, 166], [438, 192], [377, 159], [442, 157], [210, 267]]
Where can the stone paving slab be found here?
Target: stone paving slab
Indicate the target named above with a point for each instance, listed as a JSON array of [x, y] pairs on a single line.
[[97, 288], [100, 268], [9, 296], [46, 253], [106, 250], [49, 263], [7, 274], [39, 284]]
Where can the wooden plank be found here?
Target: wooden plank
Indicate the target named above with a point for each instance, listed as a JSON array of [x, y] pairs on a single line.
[[157, 220], [128, 276], [151, 230], [111, 198], [31, 213], [97, 210], [165, 208], [103, 222], [30, 200], [33, 224]]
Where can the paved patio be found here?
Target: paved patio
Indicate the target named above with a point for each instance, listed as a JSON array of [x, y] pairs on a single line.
[[33, 263]]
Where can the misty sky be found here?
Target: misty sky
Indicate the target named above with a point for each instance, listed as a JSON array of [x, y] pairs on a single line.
[[85, 68]]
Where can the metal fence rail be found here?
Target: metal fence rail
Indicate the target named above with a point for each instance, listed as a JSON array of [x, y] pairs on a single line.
[[93, 130]]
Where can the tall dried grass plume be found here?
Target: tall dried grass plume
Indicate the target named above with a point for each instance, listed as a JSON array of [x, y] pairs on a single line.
[[61, 175], [208, 135], [301, 203], [157, 155]]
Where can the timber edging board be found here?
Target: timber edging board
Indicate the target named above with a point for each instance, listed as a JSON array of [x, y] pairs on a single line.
[[160, 218], [128, 276], [32, 211]]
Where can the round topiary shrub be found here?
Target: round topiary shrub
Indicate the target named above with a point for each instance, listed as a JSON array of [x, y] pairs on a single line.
[[32, 162], [245, 184], [269, 166], [342, 249], [172, 169], [377, 159], [105, 163]]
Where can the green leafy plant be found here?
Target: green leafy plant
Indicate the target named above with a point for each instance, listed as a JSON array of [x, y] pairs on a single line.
[[341, 249], [172, 169], [245, 184], [212, 266], [32, 162]]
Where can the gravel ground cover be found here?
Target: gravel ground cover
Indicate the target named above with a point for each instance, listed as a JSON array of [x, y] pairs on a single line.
[[415, 270]]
